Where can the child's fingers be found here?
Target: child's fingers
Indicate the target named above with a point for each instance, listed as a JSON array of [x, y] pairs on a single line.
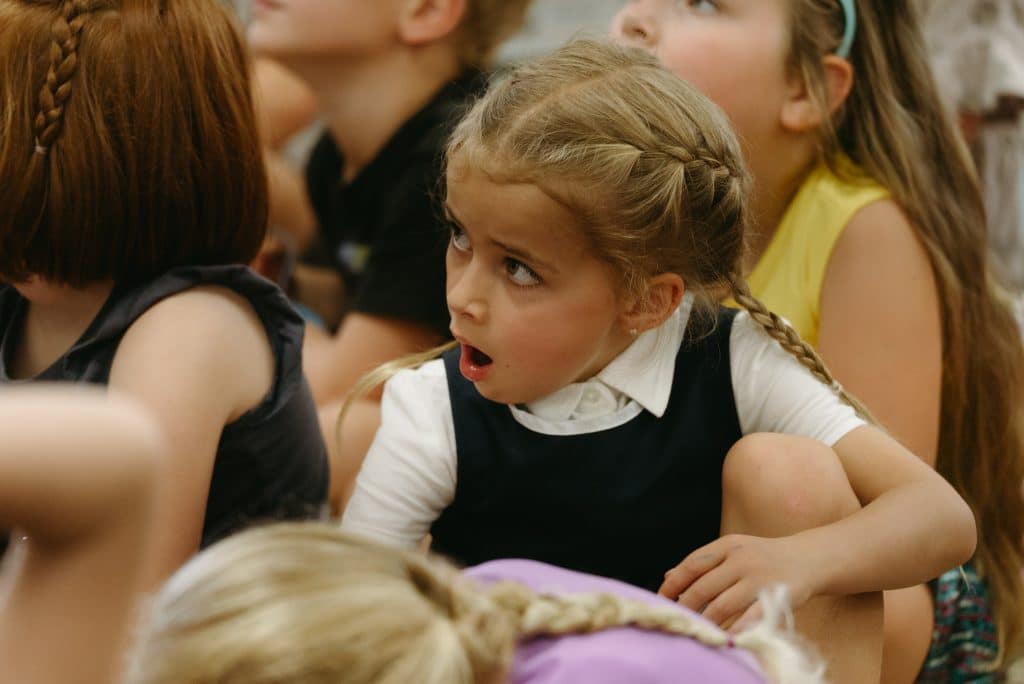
[[729, 604], [679, 578], [707, 588], [753, 615]]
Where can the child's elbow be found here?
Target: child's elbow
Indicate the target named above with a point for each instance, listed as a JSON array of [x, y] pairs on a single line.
[[962, 538]]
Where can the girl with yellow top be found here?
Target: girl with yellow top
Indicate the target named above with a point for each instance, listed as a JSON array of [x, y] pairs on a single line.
[[872, 243]]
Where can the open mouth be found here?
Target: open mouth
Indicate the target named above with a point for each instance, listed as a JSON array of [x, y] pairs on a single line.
[[477, 357], [474, 365]]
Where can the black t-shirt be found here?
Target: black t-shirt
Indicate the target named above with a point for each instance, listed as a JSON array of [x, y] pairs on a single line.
[[384, 231]]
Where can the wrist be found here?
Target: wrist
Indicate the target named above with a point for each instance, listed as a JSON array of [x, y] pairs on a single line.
[[822, 564]]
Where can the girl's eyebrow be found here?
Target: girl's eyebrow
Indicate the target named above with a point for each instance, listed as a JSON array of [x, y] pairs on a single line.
[[517, 253], [449, 215]]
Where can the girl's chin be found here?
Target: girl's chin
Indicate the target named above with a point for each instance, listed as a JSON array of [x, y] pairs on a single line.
[[505, 395]]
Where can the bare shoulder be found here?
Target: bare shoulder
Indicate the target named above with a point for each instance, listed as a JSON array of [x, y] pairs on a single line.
[[881, 230], [206, 308], [880, 330], [879, 249], [207, 332], [880, 252]]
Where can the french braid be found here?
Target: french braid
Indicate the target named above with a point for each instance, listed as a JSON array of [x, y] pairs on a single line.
[[724, 185], [704, 168], [56, 91]]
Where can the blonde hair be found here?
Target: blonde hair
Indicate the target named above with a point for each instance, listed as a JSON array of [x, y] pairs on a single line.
[[304, 602], [894, 127], [647, 163], [486, 25]]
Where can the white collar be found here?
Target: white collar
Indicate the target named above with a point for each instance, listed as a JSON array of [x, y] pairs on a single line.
[[642, 373]]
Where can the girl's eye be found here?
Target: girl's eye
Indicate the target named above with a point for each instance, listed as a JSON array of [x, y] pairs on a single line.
[[703, 6], [521, 274], [460, 241]]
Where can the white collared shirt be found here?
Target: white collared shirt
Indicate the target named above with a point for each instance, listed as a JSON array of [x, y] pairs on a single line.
[[409, 475]]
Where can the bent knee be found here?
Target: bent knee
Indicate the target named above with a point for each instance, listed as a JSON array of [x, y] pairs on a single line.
[[787, 482]]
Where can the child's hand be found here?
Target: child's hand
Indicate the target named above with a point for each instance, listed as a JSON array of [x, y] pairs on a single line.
[[722, 580]]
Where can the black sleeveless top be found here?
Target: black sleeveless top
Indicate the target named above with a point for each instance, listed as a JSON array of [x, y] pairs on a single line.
[[628, 502], [271, 463]]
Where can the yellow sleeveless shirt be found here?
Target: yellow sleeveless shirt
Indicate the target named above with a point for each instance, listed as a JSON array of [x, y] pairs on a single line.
[[790, 274]]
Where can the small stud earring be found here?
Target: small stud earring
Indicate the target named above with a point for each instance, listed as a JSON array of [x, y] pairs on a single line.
[[633, 332]]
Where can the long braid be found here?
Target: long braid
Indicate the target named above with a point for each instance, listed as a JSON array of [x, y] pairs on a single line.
[[56, 91], [790, 340], [555, 614], [550, 614]]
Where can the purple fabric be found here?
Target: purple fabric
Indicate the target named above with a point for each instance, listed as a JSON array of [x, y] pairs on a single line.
[[614, 656]]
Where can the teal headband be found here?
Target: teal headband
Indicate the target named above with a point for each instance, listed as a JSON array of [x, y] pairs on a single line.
[[850, 13]]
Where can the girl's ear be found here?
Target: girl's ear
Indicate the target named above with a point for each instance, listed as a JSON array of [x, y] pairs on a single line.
[[801, 112], [422, 22], [664, 292]]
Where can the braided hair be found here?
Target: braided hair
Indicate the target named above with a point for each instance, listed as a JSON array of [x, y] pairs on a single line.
[[309, 602], [128, 141], [55, 92], [648, 163]]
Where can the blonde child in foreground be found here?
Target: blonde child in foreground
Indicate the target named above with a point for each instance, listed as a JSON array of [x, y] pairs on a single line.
[[309, 603], [870, 238], [78, 475], [593, 415]]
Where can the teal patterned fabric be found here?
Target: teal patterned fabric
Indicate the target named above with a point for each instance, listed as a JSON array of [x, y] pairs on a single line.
[[964, 640]]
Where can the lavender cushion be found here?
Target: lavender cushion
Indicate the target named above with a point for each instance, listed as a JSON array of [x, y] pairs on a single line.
[[625, 655]]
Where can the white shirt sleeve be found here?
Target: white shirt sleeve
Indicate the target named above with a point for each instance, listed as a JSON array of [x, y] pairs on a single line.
[[775, 393], [408, 477]]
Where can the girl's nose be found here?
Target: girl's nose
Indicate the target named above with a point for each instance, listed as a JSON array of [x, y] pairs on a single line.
[[466, 293], [635, 25]]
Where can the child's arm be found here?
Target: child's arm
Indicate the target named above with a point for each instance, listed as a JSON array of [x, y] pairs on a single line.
[[334, 365], [880, 331], [289, 209], [408, 477], [363, 343], [912, 527], [77, 475], [197, 361]]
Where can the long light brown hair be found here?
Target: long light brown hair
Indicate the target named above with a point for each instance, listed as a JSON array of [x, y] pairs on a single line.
[[895, 128], [305, 602], [128, 142]]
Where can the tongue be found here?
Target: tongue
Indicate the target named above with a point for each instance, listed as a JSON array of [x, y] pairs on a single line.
[[478, 357]]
